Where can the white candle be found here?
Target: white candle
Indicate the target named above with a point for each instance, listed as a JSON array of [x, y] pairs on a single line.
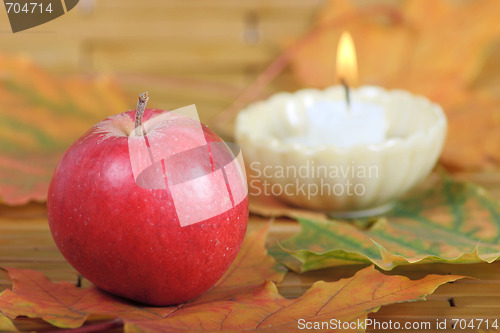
[[330, 122]]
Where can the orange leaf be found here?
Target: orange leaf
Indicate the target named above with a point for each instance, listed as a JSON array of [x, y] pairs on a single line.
[[40, 116], [244, 299], [347, 300]]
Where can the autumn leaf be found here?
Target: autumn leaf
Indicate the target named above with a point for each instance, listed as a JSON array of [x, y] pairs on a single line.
[[448, 221], [415, 45], [346, 300], [244, 299], [263, 308], [40, 116]]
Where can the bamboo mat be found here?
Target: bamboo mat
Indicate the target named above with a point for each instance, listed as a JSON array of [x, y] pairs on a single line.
[[25, 242]]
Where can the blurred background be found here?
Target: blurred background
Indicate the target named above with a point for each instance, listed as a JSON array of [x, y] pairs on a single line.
[[183, 52], [59, 78]]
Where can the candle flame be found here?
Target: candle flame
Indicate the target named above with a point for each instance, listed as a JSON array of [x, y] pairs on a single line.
[[347, 68]]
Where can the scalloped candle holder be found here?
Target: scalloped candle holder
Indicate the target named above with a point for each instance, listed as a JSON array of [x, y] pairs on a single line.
[[361, 180]]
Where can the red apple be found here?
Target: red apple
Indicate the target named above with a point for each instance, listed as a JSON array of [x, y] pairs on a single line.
[[159, 244]]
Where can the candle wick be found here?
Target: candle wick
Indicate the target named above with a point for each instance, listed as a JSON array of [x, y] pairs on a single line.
[[347, 94]]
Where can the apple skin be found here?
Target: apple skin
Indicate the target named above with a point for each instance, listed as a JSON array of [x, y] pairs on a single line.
[[127, 240]]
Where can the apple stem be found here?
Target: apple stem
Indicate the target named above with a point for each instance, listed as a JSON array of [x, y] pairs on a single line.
[[139, 113]]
